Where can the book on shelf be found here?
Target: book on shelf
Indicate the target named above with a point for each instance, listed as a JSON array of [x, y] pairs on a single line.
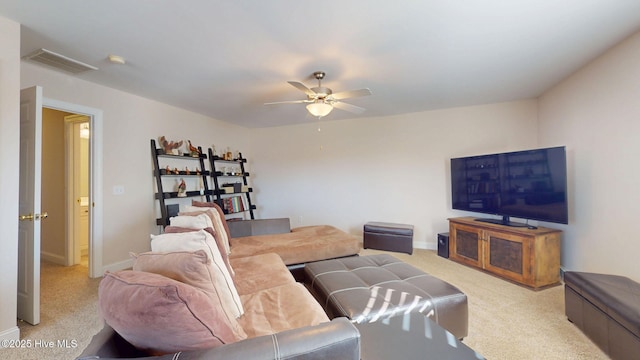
[[233, 204]]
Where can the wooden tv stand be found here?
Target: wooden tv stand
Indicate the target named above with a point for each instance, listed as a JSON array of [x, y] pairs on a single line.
[[527, 256]]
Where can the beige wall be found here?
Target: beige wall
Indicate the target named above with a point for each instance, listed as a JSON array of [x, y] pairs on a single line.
[[596, 113], [53, 239], [9, 165], [392, 169]]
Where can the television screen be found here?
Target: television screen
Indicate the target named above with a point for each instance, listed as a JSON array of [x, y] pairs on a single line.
[[529, 184]]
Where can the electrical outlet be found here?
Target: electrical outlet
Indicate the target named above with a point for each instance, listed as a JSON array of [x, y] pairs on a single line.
[[118, 190]]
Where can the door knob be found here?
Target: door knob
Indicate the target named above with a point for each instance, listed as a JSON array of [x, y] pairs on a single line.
[[26, 217], [31, 217]]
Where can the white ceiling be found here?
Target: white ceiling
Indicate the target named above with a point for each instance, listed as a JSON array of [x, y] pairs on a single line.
[[225, 59]]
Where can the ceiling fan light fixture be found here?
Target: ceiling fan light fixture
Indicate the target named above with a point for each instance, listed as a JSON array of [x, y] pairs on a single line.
[[321, 100], [319, 108]]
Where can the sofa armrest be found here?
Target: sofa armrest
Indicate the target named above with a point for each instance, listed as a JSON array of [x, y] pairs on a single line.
[[337, 339], [242, 228]]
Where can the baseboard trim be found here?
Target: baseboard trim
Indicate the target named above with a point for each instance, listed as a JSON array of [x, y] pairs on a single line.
[[12, 333], [122, 265], [54, 258], [425, 245]]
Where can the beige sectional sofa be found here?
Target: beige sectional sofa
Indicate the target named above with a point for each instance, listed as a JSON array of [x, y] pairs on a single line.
[[210, 298]]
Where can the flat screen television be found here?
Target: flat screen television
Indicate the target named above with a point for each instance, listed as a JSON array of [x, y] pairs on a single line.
[[529, 184]]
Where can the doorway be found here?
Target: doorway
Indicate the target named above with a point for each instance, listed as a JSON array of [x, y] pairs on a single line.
[[65, 191], [93, 118]]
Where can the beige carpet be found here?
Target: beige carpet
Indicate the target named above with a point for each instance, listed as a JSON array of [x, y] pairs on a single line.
[[68, 315], [506, 321]]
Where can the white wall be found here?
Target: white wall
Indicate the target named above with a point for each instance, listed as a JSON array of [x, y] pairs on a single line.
[[596, 112], [9, 167], [129, 122], [393, 169]]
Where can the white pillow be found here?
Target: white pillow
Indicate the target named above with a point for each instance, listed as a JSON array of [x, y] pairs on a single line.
[[218, 226], [199, 222], [202, 240]]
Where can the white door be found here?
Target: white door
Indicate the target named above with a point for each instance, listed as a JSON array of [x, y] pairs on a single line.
[[30, 214]]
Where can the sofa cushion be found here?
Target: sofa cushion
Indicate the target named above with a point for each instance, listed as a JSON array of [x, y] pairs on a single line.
[[161, 315], [301, 245], [225, 257], [201, 240], [192, 268], [280, 308], [216, 220], [218, 209], [196, 221], [260, 272]]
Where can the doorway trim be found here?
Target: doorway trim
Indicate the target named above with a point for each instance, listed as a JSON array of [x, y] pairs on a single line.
[[95, 178]]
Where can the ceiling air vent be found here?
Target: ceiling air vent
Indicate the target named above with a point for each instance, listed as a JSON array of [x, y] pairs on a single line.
[[61, 62]]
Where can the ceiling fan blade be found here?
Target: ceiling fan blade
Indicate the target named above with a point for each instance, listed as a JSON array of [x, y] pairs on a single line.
[[351, 94], [302, 87], [348, 107], [288, 102]]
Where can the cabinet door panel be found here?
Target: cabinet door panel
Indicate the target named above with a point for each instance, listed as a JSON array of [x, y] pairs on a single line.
[[466, 244], [508, 256]]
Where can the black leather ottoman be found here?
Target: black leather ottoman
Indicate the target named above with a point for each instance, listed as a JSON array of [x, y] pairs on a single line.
[[388, 236], [607, 309], [411, 337], [368, 288]]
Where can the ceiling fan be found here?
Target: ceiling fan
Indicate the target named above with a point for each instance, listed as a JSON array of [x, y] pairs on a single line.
[[321, 100]]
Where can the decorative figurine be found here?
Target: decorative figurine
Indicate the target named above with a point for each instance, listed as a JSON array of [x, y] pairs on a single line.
[[198, 171], [169, 147], [167, 170], [187, 171], [193, 151], [176, 171], [182, 188]]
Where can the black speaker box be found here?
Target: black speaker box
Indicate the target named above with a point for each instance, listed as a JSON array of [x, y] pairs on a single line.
[[443, 245]]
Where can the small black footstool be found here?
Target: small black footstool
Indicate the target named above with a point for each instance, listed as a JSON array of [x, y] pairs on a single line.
[[368, 288], [388, 236]]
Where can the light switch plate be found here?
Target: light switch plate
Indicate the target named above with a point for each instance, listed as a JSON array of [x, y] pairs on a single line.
[[118, 190]]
